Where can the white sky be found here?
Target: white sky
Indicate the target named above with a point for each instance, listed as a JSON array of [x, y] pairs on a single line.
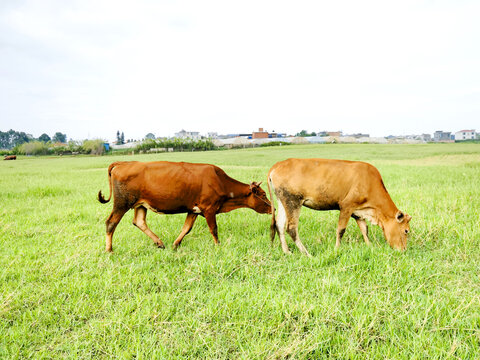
[[90, 68]]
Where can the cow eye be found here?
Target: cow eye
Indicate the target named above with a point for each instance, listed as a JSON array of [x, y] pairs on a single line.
[[406, 231]]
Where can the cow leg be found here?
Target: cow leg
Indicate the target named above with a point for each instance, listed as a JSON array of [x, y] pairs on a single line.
[[362, 224], [293, 215], [342, 225], [111, 224], [210, 217], [280, 223], [139, 220], [189, 221]]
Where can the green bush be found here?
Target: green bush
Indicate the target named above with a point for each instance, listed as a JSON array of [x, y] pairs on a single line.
[[34, 148], [177, 144], [94, 147], [275, 143]]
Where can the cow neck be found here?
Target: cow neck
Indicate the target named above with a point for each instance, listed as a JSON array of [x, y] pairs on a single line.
[[387, 210], [240, 192]]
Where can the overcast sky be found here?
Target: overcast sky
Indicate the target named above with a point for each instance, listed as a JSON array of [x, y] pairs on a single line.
[[90, 68]]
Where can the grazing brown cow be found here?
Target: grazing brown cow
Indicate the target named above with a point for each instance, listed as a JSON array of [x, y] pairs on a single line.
[[171, 188], [10, 157], [353, 187]]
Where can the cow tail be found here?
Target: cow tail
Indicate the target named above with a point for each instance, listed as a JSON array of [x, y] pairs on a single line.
[[100, 196], [273, 225]]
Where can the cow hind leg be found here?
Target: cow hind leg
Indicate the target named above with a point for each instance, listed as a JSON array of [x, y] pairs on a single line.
[[139, 220], [342, 225], [362, 224], [293, 215], [189, 221], [281, 221], [111, 224]]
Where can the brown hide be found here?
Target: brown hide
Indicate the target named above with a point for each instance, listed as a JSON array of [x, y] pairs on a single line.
[[355, 188], [10, 157], [172, 188]]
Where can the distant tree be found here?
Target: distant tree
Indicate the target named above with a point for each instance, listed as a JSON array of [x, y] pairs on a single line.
[[304, 133], [122, 138], [150, 136], [12, 138], [118, 137], [44, 138], [59, 137]]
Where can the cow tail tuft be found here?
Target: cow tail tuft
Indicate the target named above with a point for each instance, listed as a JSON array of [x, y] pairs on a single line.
[[100, 196], [273, 225]]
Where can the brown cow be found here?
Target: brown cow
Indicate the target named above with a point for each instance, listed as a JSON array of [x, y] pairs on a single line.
[[171, 188], [10, 157], [353, 187]]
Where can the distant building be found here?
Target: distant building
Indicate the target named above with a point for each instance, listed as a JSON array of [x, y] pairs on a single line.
[[359, 135], [182, 134], [442, 135], [333, 133], [465, 135], [426, 137], [260, 134], [213, 135]]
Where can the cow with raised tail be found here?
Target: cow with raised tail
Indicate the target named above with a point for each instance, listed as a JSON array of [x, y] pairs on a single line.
[[176, 187], [353, 187]]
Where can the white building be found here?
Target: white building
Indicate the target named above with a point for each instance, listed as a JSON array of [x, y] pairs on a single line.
[[195, 135], [465, 135]]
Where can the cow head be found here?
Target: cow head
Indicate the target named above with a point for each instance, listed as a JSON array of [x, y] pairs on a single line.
[[257, 199], [396, 230]]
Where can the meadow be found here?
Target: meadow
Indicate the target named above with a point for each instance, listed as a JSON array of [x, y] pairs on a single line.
[[62, 296]]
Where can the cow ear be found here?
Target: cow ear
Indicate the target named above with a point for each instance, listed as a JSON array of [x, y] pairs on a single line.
[[254, 186], [400, 217]]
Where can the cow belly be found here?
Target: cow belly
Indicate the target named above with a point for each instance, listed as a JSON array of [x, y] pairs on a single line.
[[159, 209], [320, 205]]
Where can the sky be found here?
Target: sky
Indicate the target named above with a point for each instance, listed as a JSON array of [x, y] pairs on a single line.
[[88, 68]]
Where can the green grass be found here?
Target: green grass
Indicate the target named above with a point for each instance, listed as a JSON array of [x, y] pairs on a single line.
[[62, 296]]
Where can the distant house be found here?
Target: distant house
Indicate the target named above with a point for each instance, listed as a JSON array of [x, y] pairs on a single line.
[[332, 133], [465, 135], [182, 134], [213, 135], [442, 136], [260, 134]]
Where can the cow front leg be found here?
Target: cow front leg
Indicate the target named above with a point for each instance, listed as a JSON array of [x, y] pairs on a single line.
[[342, 225], [210, 217], [189, 221], [362, 224], [111, 224], [139, 220]]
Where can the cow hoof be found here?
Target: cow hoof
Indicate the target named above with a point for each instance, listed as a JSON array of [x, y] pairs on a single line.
[[161, 246]]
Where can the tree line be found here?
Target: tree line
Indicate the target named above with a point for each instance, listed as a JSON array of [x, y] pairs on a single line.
[[177, 144], [11, 138]]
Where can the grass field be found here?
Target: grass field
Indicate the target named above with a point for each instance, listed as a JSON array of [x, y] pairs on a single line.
[[62, 296]]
